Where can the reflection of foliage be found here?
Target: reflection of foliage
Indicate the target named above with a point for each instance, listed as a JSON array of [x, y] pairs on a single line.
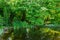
[[32, 34], [44, 34], [41, 34]]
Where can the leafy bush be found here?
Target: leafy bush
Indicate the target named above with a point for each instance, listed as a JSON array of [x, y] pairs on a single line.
[[28, 14], [33, 12]]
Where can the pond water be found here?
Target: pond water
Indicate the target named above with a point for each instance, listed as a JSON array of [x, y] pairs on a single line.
[[1, 31]]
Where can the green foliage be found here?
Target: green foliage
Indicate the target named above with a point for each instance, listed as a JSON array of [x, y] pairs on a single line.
[[27, 13], [36, 12]]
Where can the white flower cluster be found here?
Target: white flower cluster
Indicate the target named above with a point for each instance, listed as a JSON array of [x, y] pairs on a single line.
[[44, 8]]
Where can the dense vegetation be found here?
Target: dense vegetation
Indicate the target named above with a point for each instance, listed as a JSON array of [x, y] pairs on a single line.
[[23, 15]]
